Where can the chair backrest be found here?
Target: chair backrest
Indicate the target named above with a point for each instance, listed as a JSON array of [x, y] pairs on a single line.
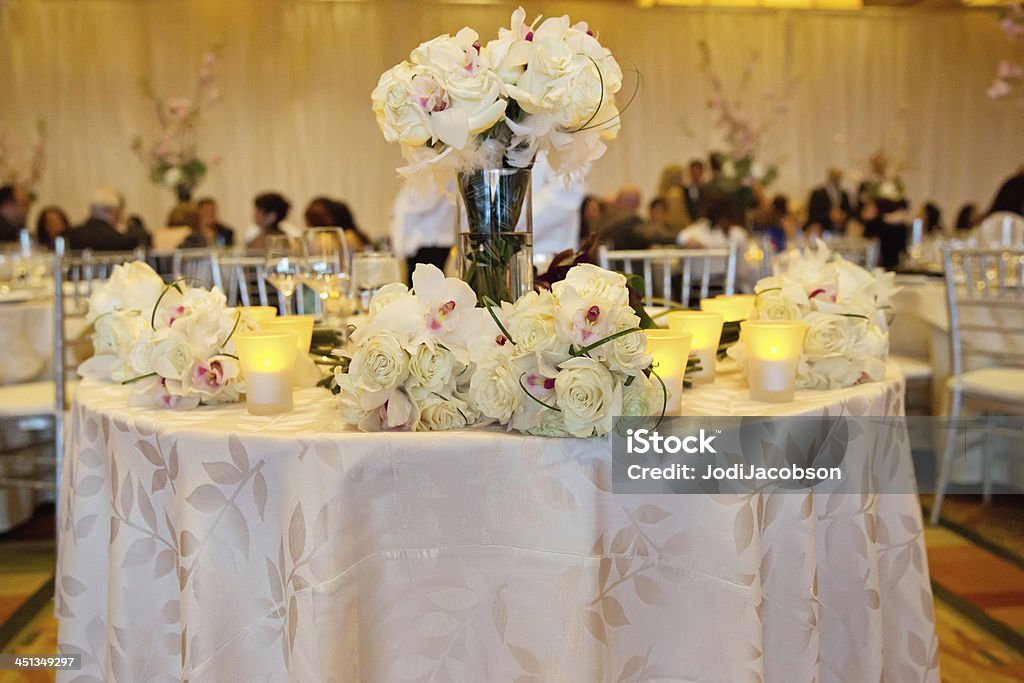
[[985, 295], [244, 279], [860, 251], [702, 264], [1001, 229], [199, 267]]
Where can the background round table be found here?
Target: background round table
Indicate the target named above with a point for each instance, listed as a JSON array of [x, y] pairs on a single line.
[[212, 545]]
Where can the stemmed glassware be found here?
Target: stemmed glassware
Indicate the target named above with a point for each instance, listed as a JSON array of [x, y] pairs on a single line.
[[370, 272], [326, 269], [283, 266]]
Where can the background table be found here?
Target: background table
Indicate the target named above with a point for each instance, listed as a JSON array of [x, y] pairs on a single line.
[[212, 545]]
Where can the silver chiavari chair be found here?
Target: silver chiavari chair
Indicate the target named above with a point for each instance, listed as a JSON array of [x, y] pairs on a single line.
[[985, 295], [694, 266], [199, 267], [244, 279]]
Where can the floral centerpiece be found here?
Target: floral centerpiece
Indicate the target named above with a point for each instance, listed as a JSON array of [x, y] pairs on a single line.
[[1010, 72], [170, 342], [173, 157], [846, 307], [15, 169], [563, 362], [738, 167], [482, 113]]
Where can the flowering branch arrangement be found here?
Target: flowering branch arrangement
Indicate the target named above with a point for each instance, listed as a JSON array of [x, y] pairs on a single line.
[[1010, 73], [846, 307], [13, 165], [171, 343], [173, 158], [457, 105], [563, 362], [741, 135]]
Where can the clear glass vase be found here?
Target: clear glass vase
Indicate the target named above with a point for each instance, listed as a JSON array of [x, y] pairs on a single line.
[[495, 232]]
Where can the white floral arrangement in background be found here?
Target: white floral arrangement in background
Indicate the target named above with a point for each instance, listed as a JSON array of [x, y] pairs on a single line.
[[847, 310], [170, 342], [457, 105], [559, 363]]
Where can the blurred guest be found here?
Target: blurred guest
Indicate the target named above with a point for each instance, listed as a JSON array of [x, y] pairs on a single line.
[[773, 220], [324, 212], [695, 191], [188, 215], [556, 202], [135, 227], [423, 226], [14, 204], [213, 232], [673, 195], [657, 214], [98, 232], [828, 207], [883, 211], [1010, 196], [718, 229], [591, 216], [51, 224], [269, 212], [967, 217], [931, 215]]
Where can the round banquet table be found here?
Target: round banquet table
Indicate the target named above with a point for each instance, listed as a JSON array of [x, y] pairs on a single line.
[[213, 545]]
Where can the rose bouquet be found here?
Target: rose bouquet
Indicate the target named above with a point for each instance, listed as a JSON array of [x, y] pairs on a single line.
[[563, 362], [171, 342], [173, 158], [846, 307], [483, 112]]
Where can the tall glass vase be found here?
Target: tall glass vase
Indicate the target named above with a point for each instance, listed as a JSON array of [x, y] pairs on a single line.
[[495, 232]]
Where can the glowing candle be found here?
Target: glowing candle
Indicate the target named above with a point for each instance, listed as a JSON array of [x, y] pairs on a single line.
[[733, 307], [670, 350], [773, 349], [706, 329], [258, 314], [299, 325], [268, 365]]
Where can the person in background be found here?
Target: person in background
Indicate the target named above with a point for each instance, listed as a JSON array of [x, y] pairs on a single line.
[[883, 211], [967, 217], [51, 224], [135, 227], [188, 215], [1010, 195], [98, 232], [672, 192], [932, 217], [213, 232], [591, 216], [718, 229], [14, 204], [556, 202], [324, 212], [423, 226], [696, 191], [828, 207], [657, 214], [269, 212], [774, 221]]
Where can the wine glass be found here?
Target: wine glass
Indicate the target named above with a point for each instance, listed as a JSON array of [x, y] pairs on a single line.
[[326, 269], [283, 265], [370, 272]]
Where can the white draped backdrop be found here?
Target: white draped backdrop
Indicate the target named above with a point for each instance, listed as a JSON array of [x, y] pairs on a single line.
[[296, 77]]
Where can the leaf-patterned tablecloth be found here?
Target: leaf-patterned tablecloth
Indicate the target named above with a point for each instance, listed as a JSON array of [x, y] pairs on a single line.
[[216, 546]]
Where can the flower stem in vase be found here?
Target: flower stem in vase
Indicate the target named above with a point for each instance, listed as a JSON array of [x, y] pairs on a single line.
[[496, 232]]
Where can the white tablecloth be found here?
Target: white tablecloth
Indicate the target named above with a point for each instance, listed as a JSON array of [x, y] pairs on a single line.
[[215, 546]]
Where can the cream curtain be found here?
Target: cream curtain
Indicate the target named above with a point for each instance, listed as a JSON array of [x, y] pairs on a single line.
[[296, 77]]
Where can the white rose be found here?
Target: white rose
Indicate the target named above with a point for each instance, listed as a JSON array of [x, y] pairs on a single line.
[[116, 332], [549, 423], [834, 373], [509, 53], [531, 322], [378, 366], [402, 115], [588, 280], [589, 397], [386, 294], [172, 358], [829, 335], [626, 354], [643, 398], [494, 390], [205, 319], [439, 413], [432, 368], [779, 299], [132, 286]]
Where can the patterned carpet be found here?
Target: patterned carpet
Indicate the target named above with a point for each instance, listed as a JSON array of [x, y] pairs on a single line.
[[976, 559]]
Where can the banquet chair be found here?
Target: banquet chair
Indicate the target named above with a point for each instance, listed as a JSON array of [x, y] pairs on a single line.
[[39, 407], [244, 278], [985, 296], [1000, 229], [699, 264], [862, 252], [198, 267]]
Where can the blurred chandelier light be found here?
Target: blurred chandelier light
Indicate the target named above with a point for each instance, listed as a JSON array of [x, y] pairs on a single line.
[[772, 4]]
